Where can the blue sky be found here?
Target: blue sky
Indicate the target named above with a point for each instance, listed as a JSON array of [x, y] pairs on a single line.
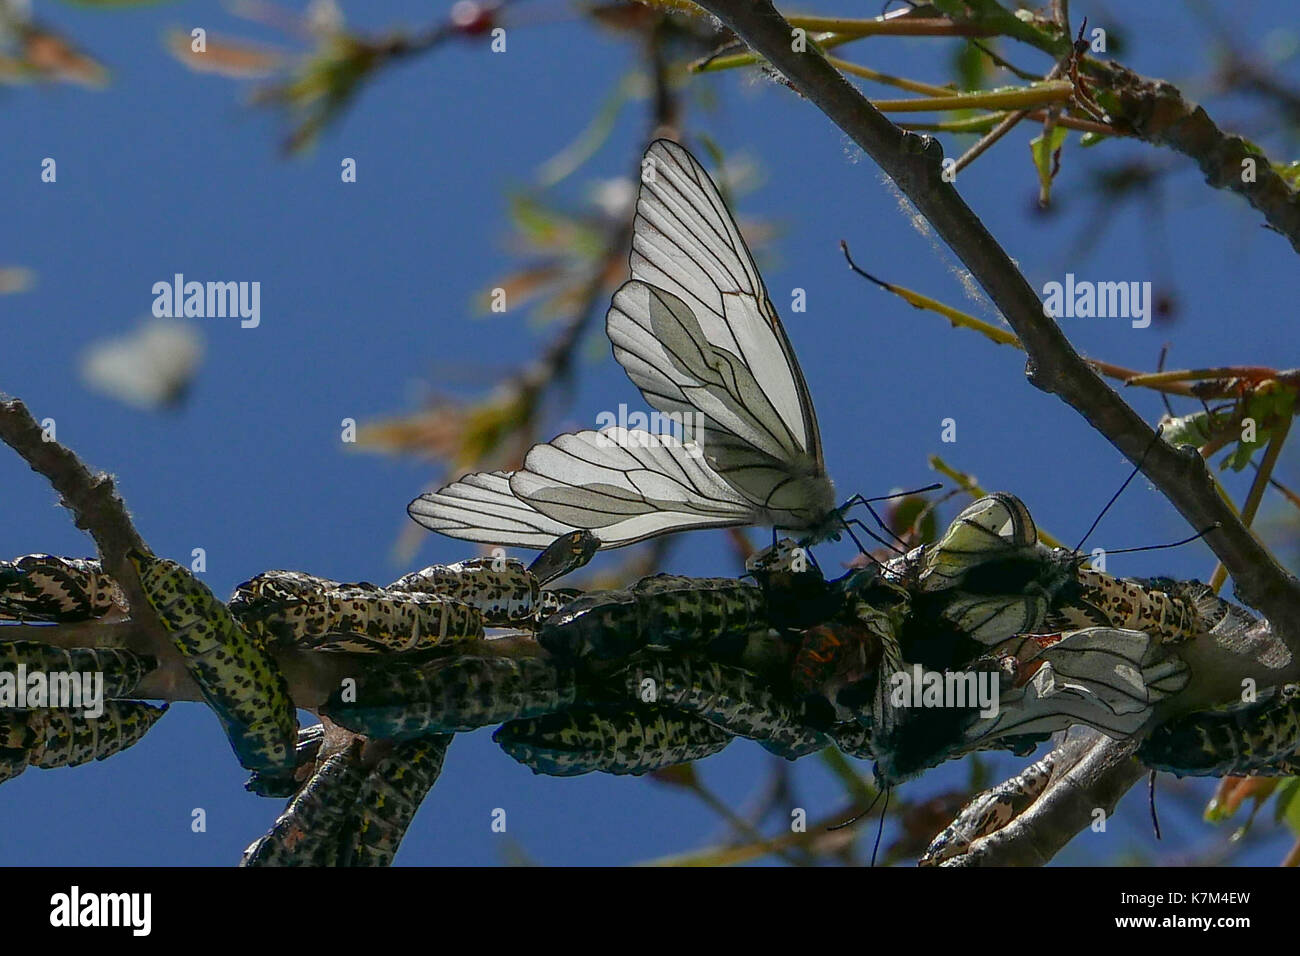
[[366, 292]]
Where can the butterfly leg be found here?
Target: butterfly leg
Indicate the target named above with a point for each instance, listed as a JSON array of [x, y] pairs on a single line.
[[866, 503], [855, 537], [859, 500], [812, 559], [869, 533]]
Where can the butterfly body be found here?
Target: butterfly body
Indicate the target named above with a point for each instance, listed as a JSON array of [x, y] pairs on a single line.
[[1065, 643]]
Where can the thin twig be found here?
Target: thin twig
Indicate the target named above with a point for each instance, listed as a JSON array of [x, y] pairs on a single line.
[[1256, 494], [1000, 336], [1005, 125]]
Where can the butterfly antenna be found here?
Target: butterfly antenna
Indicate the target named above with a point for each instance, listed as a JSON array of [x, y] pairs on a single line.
[[1160, 367], [903, 494], [1151, 788], [1115, 497], [880, 521], [1172, 544], [880, 829], [857, 816]]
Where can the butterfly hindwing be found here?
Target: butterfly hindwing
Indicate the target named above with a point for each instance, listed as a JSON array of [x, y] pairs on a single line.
[[993, 528], [481, 507]]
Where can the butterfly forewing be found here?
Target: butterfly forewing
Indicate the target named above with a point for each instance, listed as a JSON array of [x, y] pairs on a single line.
[[686, 243], [696, 332]]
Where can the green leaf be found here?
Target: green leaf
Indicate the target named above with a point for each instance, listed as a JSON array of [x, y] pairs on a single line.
[[906, 513], [1287, 807], [1194, 429], [1043, 148], [1269, 405], [971, 66]]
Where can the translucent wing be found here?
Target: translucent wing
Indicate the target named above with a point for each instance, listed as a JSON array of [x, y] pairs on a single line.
[[1097, 676], [992, 528], [695, 331], [481, 507], [626, 485], [622, 485]]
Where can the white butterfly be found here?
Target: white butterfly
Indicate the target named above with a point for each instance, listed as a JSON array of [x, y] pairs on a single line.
[[696, 332], [1108, 678], [150, 367]]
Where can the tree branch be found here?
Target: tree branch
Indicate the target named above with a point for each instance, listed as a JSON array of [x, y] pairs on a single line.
[[1092, 772], [100, 511], [1155, 112], [914, 163], [97, 509]]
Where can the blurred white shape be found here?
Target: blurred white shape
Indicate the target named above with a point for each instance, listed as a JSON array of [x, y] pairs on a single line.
[[615, 198], [150, 367], [323, 18], [16, 279]]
